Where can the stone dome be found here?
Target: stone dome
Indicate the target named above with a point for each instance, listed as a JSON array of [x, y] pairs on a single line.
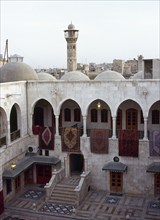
[[45, 76], [138, 75], [17, 71], [109, 75], [71, 27], [75, 76]]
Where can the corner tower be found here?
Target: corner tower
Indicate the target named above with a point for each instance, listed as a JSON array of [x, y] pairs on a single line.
[[71, 36]]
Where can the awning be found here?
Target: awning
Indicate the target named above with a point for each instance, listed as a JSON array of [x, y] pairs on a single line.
[[153, 168], [115, 167], [27, 162]]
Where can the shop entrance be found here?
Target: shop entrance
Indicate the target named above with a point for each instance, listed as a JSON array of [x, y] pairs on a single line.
[[157, 184], [76, 164], [116, 182]]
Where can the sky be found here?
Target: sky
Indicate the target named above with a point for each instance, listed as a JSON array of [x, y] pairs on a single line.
[[108, 30]]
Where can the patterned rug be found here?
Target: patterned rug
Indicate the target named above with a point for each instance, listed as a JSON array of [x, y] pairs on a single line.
[[128, 143], [57, 208], [46, 138], [33, 194], [154, 205], [112, 200], [70, 139], [154, 143], [99, 140]]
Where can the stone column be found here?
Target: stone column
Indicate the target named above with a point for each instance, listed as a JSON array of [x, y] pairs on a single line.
[[57, 125], [8, 136], [145, 129], [85, 164], [84, 126], [30, 124], [114, 127], [65, 166]]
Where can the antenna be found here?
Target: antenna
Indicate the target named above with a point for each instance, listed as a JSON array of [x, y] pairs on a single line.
[[6, 53]]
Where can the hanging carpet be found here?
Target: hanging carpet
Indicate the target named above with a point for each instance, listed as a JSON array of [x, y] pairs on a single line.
[[128, 143], [46, 138], [70, 139], [154, 143], [99, 141]]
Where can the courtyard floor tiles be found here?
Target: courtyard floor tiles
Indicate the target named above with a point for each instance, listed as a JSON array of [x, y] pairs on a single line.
[[98, 205]]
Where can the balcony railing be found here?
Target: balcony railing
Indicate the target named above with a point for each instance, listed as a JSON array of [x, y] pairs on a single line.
[[3, 141], [15, 135]]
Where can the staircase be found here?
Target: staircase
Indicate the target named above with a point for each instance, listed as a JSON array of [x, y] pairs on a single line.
[[64, 191]]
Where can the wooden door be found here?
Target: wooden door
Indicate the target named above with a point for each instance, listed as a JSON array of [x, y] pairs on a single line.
[[17, 184], [28, 176], [44, 173], [116, 182], [157, 184], [131, 119]]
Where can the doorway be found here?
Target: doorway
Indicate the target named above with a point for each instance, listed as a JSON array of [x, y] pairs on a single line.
[[131, 119], [157, 184], [28, 176], [44, 173], [76, 164], [116, 182]]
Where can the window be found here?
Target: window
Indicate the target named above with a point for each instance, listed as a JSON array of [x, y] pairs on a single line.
[[77, 114], [131, 119], [67, 114], [119, 119], [104, 115], [93, 115], [155, 117]]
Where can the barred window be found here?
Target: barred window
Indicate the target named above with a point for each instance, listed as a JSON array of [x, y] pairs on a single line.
[[77, 114], [104, 115], [67, 114], [93, 115]]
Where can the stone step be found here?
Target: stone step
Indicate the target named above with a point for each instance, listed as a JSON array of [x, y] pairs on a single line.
[[64, 193], [65, 187], [60, 201]]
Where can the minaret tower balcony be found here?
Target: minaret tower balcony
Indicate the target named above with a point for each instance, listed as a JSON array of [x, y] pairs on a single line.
[[71, 36]]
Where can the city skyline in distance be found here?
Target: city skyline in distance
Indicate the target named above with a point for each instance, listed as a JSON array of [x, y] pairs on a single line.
[[107, 30]]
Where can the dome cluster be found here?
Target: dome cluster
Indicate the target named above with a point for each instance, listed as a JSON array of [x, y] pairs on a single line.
[[109, 76], [75, 76], [17, 72]]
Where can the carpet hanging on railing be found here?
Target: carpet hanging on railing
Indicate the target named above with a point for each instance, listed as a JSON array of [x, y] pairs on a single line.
[[46, 138], [70, 139], [154, 143], [99, 141], [128, 143]]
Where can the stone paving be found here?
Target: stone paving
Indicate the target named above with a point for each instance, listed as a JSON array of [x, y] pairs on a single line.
[[98, 205]]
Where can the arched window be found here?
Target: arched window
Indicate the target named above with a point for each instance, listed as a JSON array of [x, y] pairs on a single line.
[[13, 120], [104, 115], [155, 117], [38, 116], [93, 115], [77, 114], [67, 114]]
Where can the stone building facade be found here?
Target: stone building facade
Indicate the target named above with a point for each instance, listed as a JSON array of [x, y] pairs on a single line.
[[108, 128]]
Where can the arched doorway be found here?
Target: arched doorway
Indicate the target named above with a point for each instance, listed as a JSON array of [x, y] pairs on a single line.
[[76, 164]]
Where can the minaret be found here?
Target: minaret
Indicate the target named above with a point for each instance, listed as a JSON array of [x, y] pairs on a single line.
[[71, 36]]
